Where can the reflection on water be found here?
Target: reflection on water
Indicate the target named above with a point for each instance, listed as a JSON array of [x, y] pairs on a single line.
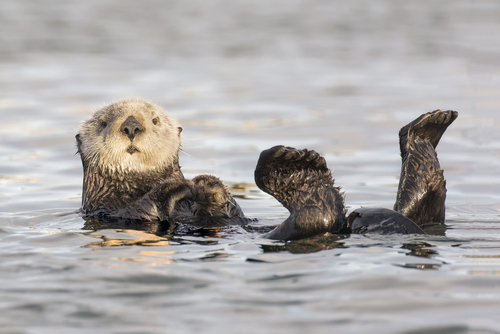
[[136, 233], [423, 250], [141, 239], [420, 266], [436, 229], [309, 245], [420, 249], [154, 227]]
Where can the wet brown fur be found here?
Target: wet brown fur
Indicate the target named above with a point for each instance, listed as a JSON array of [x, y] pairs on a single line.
[[301, 181], [129, 152], [422, 188], [137, 176]]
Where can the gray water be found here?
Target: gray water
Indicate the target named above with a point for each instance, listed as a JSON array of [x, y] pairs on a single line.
[[339, 77]]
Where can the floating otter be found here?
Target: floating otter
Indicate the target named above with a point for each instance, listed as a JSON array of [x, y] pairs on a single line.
[[129, 151]]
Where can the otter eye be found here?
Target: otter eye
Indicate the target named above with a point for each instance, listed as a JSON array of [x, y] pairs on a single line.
[[155, 120], [104, 124]]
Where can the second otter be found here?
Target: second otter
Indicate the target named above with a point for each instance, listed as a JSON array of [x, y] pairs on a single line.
[[129, 151]]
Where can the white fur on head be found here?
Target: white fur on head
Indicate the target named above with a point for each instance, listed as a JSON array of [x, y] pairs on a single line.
[[104, 146]]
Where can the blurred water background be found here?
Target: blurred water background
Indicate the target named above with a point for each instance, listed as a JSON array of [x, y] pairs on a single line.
[[339, 77]]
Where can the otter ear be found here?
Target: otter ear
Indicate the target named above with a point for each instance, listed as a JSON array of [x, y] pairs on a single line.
[[78, 142], [180, 130]]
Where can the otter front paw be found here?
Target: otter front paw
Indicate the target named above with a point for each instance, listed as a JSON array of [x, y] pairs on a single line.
[[168, 193], [211, 197]]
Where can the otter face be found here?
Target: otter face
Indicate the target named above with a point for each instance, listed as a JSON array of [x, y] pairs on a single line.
[[129, 135]]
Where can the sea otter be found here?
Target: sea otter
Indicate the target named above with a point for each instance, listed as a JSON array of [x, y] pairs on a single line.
[[129, 151]]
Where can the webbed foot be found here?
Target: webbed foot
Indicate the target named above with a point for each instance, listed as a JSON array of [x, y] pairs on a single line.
[[301, 181], [422, 187], [429, 126]]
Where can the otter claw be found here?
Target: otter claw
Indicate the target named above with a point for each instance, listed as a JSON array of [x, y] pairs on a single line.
[[278, 151], [312, 156]]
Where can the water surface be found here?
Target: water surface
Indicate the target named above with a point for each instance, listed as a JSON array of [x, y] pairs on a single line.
[[340, 78]]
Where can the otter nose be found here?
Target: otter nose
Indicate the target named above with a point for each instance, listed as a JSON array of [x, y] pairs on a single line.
[[131, 127]]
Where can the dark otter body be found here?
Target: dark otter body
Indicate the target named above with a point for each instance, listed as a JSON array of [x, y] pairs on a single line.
[[301, 181], [380, 221], [129, 152]]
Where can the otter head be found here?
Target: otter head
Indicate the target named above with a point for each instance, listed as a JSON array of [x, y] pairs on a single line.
[[129, 136]]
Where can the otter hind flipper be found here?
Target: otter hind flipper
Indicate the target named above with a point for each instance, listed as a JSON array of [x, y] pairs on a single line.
[[301, 181], [429, 126], [422, 188], [285, 172]]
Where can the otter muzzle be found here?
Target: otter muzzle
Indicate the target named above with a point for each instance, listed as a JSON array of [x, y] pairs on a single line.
[[131, 127]]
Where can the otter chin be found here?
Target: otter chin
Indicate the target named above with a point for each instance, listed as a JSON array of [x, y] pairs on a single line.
[[132, 149], [130, 155]]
